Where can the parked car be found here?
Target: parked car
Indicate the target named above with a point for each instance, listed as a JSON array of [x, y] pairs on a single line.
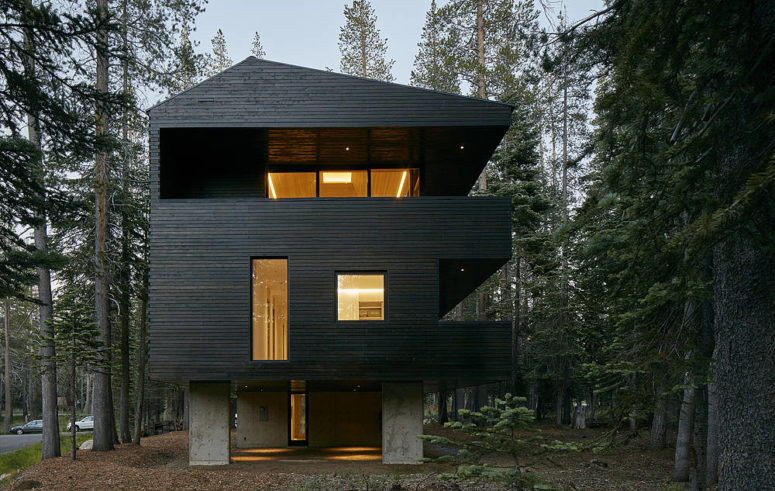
[[35, 426], [86, 423]]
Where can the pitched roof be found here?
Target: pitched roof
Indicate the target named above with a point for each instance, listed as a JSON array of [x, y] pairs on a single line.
[[263, 93]]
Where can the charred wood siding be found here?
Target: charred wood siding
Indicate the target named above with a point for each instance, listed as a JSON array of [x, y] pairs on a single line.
[[265, 93], [200, 286]]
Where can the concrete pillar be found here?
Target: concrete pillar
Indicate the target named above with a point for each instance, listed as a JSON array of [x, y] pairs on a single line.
[[262, 420], [402, 412], [208, 436]]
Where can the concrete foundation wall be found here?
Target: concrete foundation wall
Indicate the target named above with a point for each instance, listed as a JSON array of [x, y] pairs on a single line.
[[344, 418], [252, 407], [208, 437], [402, 411]]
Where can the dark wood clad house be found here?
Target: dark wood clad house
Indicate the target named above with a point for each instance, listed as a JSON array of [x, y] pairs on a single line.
[[308, 231]]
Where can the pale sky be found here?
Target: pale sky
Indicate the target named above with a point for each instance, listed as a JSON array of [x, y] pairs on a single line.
[[306, 32]]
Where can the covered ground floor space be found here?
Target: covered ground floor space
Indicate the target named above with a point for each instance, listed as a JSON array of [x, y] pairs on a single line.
[[297, 420]]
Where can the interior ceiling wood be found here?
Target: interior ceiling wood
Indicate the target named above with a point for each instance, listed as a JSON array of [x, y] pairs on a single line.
[[343, 145]]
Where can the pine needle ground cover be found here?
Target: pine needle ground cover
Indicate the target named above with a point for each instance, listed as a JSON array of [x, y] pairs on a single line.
[[161, 463]]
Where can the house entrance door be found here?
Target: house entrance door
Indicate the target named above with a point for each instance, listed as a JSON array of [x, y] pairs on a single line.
[[298, 418]]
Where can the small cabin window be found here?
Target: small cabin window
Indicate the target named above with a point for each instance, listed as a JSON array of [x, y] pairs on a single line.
[[361, 297]]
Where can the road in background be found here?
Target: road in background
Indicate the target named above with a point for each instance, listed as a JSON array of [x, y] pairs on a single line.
[[15, 442]]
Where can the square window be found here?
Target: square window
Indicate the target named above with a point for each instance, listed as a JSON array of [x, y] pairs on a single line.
[[360, 297]]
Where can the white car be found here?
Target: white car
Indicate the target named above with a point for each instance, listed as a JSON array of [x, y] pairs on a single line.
[[87, 423]]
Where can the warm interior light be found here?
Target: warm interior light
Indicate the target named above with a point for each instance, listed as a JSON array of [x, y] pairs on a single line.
[[361, 290], [271, 187], [462, 147], [337, 177], [401, 186]]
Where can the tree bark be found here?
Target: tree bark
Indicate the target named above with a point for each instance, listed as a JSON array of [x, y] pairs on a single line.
[[7, 353], [103, 417], [125, 271], [516, 327], [744, 303], [683, 440], [50, 439], [141, 356], [558, 405], [657, 437], [712, 447], [443, 417]]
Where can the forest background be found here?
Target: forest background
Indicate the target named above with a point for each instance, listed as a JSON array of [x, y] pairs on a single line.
[[639, 163]]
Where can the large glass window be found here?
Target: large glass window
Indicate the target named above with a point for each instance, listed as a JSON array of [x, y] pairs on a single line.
[[344, 184], [385, 183], [360, 297], [395, 183], [291, 184], [270, 309]]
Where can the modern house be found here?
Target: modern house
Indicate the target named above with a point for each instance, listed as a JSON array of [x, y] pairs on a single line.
[[308, 232]]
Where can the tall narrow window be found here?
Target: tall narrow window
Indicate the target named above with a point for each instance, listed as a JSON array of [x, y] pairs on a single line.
[[361, 297], [298, 418], [270, 309]]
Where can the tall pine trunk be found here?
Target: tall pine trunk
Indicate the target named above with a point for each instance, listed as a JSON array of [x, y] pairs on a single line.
[[744, 303], [103, 409], [683, 441], [50, 439], [125, 294], [442, 406], [141, 356], [657, 437], [7, 353]]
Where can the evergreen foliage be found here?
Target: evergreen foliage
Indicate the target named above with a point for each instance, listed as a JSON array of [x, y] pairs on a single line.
[[497, 428], [434, 64], [361, 46], [257, 49], [218, 60]]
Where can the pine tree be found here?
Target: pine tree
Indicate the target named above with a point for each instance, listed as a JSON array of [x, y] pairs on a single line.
[[362, 48], [434, 64], [257, 50], [186, 66], [218, 60]]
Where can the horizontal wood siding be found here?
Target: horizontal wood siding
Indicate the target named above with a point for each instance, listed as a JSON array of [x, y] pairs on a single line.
[[200, 286], [265, 93]]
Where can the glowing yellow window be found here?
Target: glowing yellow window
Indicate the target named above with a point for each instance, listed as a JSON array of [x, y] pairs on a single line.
[[395, 183], [344, 184], [291, 184], [361, 297], [270, 309]]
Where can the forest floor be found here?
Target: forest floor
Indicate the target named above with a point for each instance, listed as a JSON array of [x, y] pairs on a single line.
[[161, 463]]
